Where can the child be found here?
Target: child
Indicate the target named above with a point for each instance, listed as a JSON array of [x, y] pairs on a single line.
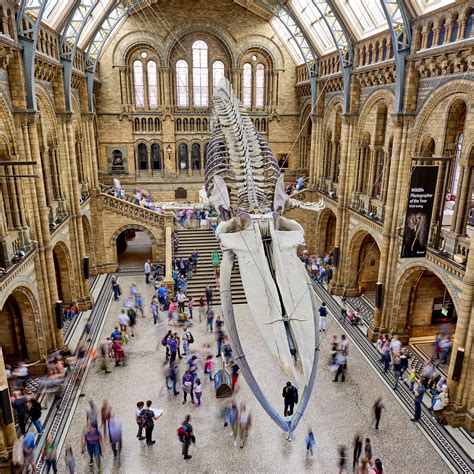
[[198, 392], [412, 379], [310, 442], [208, 367]]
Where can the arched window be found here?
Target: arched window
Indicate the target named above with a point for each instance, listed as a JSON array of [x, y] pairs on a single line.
[[260, 86], [156, 156], [247, 86], [217, 74], [206, 146], [138, 84], [195, 156], [182, 157], [457, 167], [152, 85], [469, 23], [200, 74], [454, 27], [142, 157], [442, 32], [182, 91]]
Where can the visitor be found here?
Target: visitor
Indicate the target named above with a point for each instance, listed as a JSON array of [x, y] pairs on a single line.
[[210, 320], [377, 468], [232, 418], [419, 393], [310, 442], [357, 451], [342, 463], [186, 436], [20, 406], [341, 363], [115, 288], [49, 454], [171, 375], [92, 439], [323, 312], [377, 411], [148, 417], [34, 410], [181, 298], [368, 450], [188, 386], [235, 369], [290, 395], [154, 306], [138, 411], [190, 307], [198, 392], [208, 365], [115, 435], [105, 414], [28, 446], [70, 460], [245, 421], [202, 308], [208, 293], [194, 259]]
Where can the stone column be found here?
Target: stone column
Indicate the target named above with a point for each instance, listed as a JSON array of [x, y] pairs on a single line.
[[274, 88], [461, 391], [44, 238], [77, 238], [464, 200], [332, 175], [94, 154], [387, 234], [7, 432], [169, 228]]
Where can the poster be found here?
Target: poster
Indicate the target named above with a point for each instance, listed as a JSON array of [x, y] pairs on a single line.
[[419, 210]]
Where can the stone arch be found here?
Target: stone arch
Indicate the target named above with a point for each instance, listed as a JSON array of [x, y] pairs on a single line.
[[64, 272], [452, 90], [21, 335], [263, 43], [383, 94], [132, 40], [327, 229], [363, 259], [206, 27], [148, 232], [6, 118], [407, 283], [330, 109]]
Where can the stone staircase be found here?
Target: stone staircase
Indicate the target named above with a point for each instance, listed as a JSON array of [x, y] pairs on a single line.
[[204, 242]]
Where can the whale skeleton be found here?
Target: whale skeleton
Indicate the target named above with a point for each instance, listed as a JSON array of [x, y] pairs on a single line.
[[244, 185]]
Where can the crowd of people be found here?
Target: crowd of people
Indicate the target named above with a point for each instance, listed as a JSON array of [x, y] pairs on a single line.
[[319, 268]]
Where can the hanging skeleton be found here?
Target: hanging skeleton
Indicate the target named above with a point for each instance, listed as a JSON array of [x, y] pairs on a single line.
[[244, 185]]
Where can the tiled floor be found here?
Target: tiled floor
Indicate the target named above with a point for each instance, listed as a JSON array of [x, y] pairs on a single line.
[[336, 412]]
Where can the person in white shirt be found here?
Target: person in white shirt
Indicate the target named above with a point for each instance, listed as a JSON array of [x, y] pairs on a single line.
[[147, 267], [395, 345], [181, 298], [124, 320], [117, 185]]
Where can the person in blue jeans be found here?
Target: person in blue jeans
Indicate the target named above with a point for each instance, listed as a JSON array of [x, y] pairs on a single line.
[[34, 410], [419, 392]]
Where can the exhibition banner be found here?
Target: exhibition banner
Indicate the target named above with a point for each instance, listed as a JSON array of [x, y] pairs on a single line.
[[419, 210]]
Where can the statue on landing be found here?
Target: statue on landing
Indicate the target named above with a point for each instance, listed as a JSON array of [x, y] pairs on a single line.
[[244, 185]]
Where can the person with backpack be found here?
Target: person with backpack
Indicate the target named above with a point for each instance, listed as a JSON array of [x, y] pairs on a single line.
[[132, 320], [138, 412], [323, 312], [147, 421], [188, 339], [186, 436], [290, 394], [164, 342]]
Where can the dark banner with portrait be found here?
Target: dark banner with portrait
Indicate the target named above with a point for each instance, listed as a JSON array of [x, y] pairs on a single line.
[[419, 210]]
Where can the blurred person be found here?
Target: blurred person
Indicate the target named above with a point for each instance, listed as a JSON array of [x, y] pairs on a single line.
[[245, 421], [115, 435], [232, 419], [377, 411], [92, 439], [154, 306], [190, 307], [341, 363], [342, 462], [235, 369], [49, 454], [210, 320], [171, 375], [310, 442], [377, 468], [368, 450], [70, 460], [28, 445], [21, 408], [202, 308], [208, 365], [34, 410], [92, 413], [105, 414], [357, 450]]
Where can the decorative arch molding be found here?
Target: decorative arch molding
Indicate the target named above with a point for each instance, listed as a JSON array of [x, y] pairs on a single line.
[[26, 288], [357, 235], [263, 43], [408, 268], [6, 116], [45, 103], [330, 112], [149, 232], [211, 28], [452, 89], [133, 40], [383, 94]]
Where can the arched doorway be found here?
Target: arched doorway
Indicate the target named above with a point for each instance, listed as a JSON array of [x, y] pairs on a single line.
[[327, 237], [426, 306], [62, 270], [17, 309], [364, 264], [134, 247]]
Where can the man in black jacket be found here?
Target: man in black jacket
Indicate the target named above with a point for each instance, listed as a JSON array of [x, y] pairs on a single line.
[[290, 394]]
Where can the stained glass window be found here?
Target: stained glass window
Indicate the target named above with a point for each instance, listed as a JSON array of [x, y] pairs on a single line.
[[182, 92], [200, 75]]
